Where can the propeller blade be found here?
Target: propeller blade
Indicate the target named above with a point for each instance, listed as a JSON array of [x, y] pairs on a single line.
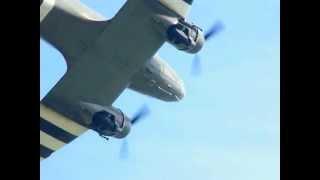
[[144, 110], [124, 149], [215, 29], [196, 66]]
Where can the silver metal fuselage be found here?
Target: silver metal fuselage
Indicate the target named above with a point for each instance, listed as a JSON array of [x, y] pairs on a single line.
[[72, 28]]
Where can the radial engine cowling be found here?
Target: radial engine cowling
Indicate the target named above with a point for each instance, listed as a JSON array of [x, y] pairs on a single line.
[[186, 37], [107, 121]]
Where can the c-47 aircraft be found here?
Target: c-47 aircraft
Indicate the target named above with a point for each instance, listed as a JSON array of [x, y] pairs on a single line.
[[106, 56]]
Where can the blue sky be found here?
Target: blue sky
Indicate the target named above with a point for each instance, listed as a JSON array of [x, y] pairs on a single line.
[[226, 128]]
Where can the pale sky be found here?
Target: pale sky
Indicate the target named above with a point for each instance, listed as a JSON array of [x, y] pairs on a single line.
[[226, 128]]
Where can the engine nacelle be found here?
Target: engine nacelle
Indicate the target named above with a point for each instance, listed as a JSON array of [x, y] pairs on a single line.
[[181, 34], [185, 37], [107, 121]]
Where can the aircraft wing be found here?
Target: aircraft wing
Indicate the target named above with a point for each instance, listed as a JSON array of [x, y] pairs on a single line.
[[99, 74], [105, 68], [56, 131], [180, 7]]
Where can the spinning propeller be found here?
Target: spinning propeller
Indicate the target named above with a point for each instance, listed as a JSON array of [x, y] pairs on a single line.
[[143, 112], [214, 30]]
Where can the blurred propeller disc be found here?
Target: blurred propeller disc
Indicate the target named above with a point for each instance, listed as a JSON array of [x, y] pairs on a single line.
[[196, 62], [124, 149], [196, 66], [143, 111], [214, 30]]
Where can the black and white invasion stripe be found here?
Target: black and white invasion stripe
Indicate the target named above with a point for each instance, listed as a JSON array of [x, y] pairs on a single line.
[[56, 131]]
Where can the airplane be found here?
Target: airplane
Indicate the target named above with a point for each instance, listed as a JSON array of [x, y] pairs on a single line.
[[106, 56]]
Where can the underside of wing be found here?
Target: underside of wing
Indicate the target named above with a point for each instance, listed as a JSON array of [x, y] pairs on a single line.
[[102, 68], [105, 68], [180, 7], [56, 131]]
